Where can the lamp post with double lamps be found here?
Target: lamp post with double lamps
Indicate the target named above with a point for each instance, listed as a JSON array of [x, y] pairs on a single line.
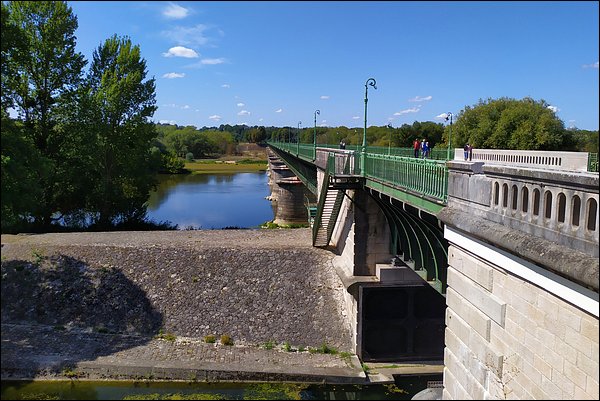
[[449, 117], [373, 83], [315, 135]]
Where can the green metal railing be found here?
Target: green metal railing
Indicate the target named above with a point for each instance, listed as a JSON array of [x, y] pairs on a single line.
[[593, 162], [421, 176], [425, 177]]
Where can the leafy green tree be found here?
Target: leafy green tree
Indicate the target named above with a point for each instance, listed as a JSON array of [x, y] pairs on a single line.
[[45, 71], [122, 103], [510, 124]]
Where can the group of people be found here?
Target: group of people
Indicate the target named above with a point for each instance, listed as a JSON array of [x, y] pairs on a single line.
[[422, 149]]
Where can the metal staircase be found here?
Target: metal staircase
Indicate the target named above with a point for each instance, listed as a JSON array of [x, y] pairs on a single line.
[[327, 214]]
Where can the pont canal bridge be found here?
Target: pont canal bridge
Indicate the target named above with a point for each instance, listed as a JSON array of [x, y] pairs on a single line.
[[488, 265]]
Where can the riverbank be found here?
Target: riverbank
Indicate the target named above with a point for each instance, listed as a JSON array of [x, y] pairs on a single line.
[[226, 165], [131, 305]]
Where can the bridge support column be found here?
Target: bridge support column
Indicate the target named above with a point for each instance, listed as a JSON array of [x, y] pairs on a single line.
[[290, 202], [362, 234]]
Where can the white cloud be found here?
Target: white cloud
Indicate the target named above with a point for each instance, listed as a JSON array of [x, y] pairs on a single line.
[[260, 119], [441, 116], [215, 117], [407, 111], [212, 61], [225, 86], [420, 99], [244, 113], [355, 117], [593, 65], [240, 105], [175, 11], [193, 36], [278, 110], [172, 122], [185, 107], [324, 97], [180, 51], [554, 109], [172, 75]]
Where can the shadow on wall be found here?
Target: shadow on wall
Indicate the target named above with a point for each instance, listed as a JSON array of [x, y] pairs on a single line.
[[64, 297]]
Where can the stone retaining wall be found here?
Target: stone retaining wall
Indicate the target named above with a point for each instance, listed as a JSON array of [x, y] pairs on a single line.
[[253, 285]]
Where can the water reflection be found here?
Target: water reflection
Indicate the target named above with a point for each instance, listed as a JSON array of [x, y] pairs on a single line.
[[212, 201], [111, 390]]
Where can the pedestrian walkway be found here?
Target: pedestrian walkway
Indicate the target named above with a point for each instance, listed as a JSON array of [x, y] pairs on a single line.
[[46, 352]]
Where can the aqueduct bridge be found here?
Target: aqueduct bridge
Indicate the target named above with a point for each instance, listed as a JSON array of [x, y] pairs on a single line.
[[489, 265]]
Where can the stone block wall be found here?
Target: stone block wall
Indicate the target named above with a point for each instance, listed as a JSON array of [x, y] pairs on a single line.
[[510, 337]]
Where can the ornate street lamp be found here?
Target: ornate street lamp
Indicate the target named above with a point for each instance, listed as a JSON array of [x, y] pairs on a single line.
[[390, 138], [370, 81], [449, 117], [315, 133]]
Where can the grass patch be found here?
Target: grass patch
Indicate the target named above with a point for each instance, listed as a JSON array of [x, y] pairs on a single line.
[[210, 339], [219, 166], [226, 340], [166, 336], [269, 344], [269, 225]]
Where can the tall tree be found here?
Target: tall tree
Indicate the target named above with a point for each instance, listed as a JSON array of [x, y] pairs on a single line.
[[123, 101], [45, 72], [510, 124]]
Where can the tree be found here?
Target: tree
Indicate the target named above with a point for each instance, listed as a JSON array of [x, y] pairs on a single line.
[[510, 124], [40, 74], [122, 103]]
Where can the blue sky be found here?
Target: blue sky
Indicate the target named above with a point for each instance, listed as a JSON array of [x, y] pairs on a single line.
[[275, 63]]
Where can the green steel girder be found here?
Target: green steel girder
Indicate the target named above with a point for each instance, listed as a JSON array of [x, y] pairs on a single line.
[[306, 172], [420, 240]]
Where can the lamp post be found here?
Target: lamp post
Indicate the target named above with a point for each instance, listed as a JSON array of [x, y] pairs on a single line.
[[390, 138], [449, 116], [315, 135], [370, 81]]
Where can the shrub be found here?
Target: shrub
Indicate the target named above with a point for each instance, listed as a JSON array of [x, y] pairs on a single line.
[[209, 339], [226, 340]]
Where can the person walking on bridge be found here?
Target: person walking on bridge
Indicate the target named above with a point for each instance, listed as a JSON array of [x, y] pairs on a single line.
[[416, 147]]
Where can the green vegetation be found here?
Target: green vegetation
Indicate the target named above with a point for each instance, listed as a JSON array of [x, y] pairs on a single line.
[[175, 396], [226, 340], [269, 225], [165, 336], [219, 166], [269, 344], [71, 373], [323, 349], [210, 339]]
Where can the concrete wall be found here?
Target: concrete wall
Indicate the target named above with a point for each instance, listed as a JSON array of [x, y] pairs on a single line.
[[522, 316]]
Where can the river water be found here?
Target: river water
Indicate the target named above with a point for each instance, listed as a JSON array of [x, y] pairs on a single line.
[[404, 389], [212, 201]]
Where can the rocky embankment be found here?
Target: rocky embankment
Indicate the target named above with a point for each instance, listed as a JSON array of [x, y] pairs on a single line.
[[253, 285]]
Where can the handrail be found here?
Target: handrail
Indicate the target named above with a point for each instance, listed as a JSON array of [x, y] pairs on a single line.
[[321, 203], [426, 177]]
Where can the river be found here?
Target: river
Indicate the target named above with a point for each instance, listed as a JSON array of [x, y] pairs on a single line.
[[212, 201]]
